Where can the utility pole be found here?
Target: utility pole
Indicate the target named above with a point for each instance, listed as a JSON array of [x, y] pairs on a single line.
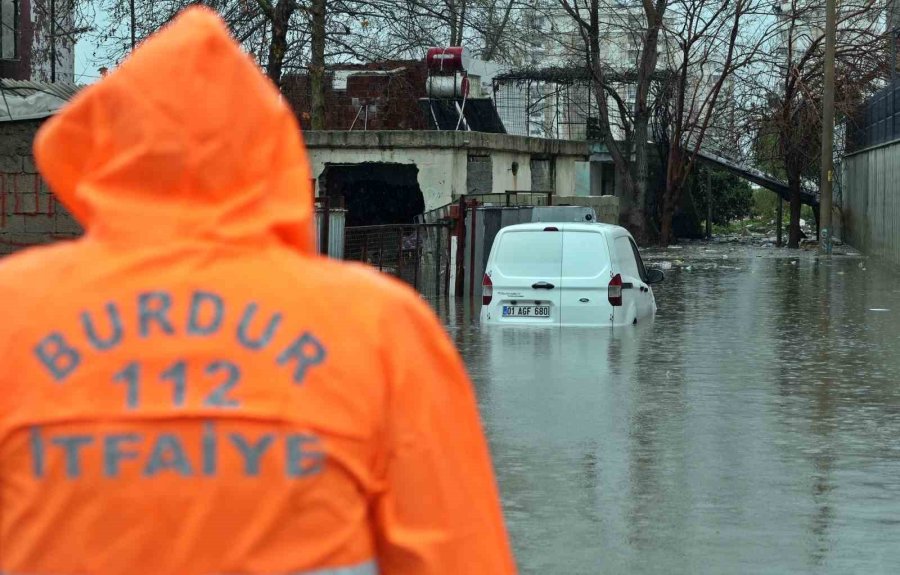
[[892, 28], [131, 7], [827, 169], [53, 40], [779, 219]]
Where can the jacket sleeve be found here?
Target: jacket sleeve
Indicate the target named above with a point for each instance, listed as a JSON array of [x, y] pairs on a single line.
[[439, 511]]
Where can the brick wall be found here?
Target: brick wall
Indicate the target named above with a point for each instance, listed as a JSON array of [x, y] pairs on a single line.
[[394, 98], [29, 213]]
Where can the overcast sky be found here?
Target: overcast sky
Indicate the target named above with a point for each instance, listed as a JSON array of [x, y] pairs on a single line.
[[86, 71]]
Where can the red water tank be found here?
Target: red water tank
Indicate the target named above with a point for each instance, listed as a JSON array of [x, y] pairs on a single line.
[[449, 60]]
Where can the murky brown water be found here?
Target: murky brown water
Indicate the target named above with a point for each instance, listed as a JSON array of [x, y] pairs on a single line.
[[754, 427]]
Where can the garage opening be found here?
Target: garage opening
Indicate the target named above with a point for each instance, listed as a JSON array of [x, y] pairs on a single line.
[[375, 193]]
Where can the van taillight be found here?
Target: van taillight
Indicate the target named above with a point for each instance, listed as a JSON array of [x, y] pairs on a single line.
[[487, 290], [614, 290]]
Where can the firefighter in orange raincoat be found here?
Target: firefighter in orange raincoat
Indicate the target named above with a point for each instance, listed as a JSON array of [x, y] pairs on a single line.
[[189, 389]]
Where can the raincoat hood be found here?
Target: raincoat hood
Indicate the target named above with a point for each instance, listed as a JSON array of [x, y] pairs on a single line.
[[187, 140]]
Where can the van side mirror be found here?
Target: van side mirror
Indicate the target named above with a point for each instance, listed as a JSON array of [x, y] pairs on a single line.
[[655, 276]]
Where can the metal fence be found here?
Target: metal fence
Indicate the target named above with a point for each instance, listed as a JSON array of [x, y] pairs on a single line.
[[877, 121], [330, 231], [513, 198], [546, 109], [418, 254]]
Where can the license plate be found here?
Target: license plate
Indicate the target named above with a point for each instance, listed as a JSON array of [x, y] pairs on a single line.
[[526, 311]]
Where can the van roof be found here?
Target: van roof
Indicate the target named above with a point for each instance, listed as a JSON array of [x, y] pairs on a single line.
[[569, 226]]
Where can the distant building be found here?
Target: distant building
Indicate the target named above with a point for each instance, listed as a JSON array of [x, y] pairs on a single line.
[[803, 21], [29, 213], [27, 51], [555, 104]]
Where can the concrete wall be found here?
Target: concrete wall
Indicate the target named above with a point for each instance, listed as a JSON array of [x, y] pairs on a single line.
[[479, 174], [504, 178], [442, 173], [583, 185], [29, 213], [564, 178], [870, 206], [443, 157]]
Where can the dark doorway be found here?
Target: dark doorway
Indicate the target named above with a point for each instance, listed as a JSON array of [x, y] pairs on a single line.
[[375, 193]]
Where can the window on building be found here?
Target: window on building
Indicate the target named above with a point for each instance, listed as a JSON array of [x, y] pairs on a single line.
[[9, 29], [630, 94]]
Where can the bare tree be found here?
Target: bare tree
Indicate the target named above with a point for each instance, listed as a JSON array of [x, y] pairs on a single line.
[[295, 34], [493, 29], [707, 49], [789, 117], [630, 154]]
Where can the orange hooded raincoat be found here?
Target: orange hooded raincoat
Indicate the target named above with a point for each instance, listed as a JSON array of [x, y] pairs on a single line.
[[189, 389]]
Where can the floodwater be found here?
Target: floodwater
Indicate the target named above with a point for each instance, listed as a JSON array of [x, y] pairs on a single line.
[[753, 427]]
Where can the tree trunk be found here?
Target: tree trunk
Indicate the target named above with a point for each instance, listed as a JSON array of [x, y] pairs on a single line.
[[278, 47], [671, 194], [457, 21], [640, 176], [646, 68], [794, 227], [665, 227], [494, 38], [317, 64], [462, 24]]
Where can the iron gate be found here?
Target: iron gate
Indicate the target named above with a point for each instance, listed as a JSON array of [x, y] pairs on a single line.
[[418, 254]]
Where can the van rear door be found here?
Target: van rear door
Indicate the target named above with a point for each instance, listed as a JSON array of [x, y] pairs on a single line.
[[585, 279], [524, 272]]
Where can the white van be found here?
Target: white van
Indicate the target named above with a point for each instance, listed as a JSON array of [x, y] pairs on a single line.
[[569, 274]]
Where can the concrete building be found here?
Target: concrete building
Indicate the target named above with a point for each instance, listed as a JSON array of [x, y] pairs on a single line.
[[559, 107], [35, 46], [382, 177], [405, 173], [801, 22]]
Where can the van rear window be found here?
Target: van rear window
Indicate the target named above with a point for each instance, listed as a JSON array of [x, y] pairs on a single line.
[[585, 254], [529, 254]]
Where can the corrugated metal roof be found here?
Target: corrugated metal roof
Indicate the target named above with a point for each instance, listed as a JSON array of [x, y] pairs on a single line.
[[24, 100]]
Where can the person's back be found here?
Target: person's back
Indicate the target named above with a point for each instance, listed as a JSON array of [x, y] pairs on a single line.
[[189, 389]]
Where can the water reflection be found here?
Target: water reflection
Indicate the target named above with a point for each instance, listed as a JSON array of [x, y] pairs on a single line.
[[751, 428]]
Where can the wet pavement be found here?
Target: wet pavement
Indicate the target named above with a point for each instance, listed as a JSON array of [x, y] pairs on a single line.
[[753, 427]]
